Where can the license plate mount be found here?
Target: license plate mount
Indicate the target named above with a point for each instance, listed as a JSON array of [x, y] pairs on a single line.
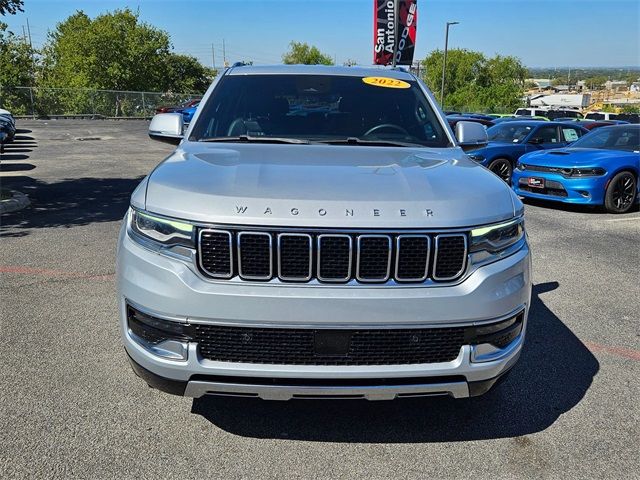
[[535, 182]]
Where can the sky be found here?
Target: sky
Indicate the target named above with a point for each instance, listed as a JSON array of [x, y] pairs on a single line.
[[542, 33]]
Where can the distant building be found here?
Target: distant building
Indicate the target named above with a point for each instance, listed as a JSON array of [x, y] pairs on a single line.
[[635, 87], [616, 85], [540, 82]]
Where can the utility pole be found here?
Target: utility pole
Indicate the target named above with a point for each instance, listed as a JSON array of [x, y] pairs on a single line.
[[213, 57], [224, 54], [24, 35], [444, 61]]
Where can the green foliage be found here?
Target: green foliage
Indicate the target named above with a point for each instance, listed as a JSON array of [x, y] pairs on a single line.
[[186, 74], [11, 7], [631, 109], [475, 82], [113, 51], [302, 53], [16, 68]]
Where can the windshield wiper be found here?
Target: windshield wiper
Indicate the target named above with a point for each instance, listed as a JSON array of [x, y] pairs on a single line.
[[250, 139], [372, 143]]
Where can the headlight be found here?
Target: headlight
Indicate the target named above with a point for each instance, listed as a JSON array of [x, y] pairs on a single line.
[[494, 239], [520, 166], [583, 172], [476, 158], [163, 231]]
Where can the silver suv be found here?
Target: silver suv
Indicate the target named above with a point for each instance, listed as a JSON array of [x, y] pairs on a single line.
[[319, 232]]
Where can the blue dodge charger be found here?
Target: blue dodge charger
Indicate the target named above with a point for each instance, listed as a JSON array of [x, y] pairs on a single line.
[[508, 141], [601, 168]]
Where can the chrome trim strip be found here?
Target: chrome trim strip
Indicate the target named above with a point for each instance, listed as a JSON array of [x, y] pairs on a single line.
[[295, 279], [426, 267], [389, 246], [319, 256], [216, 275], [287, 392], [435, 257], [255, 277]]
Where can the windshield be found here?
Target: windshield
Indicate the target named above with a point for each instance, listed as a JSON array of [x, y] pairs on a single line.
[[318, 108], [611, 138], [509, 132]]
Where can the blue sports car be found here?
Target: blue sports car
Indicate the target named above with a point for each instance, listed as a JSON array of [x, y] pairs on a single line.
[[188, 113], [508, 141], [601, 168]]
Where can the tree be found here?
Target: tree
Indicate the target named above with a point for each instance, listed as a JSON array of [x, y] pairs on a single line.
[[114, 51], [11, 7], [474, 82], [186, 74], [16, 70], [302, 53]]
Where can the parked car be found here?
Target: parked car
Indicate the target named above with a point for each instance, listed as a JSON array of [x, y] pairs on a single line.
[[7, 130], [626, 117], [178, 108], [601, 168], [550, 113], [508, 141], [454, 119], [188, 113], [510, 118], [593, 124], [480, 116], [6, 114], [354, 252]]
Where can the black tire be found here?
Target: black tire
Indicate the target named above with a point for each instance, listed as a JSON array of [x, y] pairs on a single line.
[[621, 193], [502, 168]]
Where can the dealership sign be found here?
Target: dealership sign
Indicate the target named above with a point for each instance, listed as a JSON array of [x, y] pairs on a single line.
[[394, 31]]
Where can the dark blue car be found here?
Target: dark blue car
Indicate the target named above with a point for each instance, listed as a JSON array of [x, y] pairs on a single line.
[[601, 168], [188, 113], [508, 141]]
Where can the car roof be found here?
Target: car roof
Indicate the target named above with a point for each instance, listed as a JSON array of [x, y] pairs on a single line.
[[395, 73]]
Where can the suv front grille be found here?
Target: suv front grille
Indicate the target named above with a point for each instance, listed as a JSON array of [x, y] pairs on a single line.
[[293, 256], [290, 346]]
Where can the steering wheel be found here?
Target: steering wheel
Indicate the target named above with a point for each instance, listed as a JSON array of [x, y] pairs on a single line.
[[386, 125]]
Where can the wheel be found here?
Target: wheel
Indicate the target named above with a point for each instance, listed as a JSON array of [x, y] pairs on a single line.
[[621, 193], [502, 168]]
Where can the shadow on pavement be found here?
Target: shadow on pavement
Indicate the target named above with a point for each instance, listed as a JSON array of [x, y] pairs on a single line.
[[67, 203], [553, 375]]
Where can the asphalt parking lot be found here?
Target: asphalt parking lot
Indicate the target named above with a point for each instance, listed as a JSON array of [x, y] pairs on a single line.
[[71, 406]]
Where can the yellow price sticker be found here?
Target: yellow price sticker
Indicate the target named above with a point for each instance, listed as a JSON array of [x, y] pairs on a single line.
[[385, 82]]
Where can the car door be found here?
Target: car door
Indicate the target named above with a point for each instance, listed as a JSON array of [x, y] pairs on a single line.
[[543, 138]]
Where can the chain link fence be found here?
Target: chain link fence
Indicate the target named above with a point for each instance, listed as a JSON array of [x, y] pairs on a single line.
[[46, 102]]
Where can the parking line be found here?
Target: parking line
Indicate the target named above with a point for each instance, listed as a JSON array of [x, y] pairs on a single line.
[[52, 273], [628, 219], [617, 351]]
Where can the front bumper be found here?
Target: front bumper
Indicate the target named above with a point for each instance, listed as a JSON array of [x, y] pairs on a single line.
[[578, 190], [171, 289]]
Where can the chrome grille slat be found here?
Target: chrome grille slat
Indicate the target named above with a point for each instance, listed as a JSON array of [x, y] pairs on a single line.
[[413, 258], [255, 255], [327, 257], [295, 257], [448, 263], [373, 262]]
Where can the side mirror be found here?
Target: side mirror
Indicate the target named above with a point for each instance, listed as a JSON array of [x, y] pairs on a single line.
[[167, 127], [536, 141], [471, 135]]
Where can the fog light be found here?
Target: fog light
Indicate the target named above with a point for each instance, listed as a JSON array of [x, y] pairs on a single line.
[[492, 341], [164, 338]]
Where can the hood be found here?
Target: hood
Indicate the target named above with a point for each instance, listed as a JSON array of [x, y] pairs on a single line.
[[576, 157], [326, 186]]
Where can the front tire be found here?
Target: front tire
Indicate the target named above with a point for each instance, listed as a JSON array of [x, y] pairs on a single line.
[[621, 193], [502, 168]]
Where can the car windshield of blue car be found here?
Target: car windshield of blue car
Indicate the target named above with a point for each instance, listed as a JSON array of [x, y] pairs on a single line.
[[509, 132], [338, 109], [611, 138]]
